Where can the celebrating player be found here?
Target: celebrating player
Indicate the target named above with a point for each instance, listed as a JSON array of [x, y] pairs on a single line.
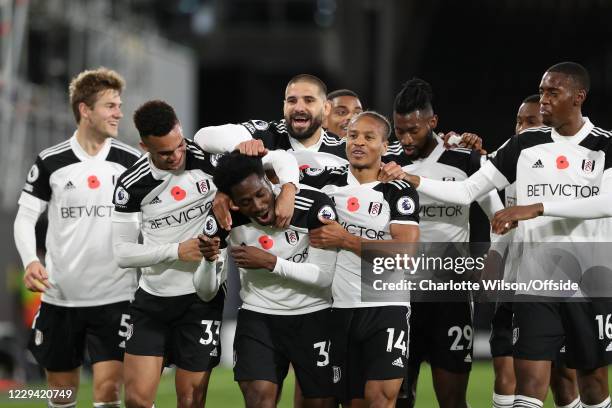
[[285, 284], [85, 293], [364, 366], [543, 162]]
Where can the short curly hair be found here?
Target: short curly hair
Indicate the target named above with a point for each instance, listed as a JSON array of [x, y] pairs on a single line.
[[87, 85], [155, 118]]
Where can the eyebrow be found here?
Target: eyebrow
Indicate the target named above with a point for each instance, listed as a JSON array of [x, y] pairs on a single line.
[[173, 150]]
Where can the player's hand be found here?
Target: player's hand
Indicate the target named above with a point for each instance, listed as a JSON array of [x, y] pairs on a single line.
[[330, 235], [252, 147], [467, 140], [508, 218], [412, 179], [285, 205], [249, 257], [36, 278], [390, 171], [189, 251], [221, 208], [210, 248]]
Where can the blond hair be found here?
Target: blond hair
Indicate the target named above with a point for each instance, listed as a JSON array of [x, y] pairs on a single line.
[[87, 85]]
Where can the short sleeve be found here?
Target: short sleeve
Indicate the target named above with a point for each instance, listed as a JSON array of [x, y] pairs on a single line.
[[37, 181], [323, 207], [212, 229], [124, 200], [403, 202]]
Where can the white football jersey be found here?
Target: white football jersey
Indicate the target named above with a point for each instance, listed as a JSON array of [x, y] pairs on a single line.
[[263, 291], [367, 211], [171, 208], [442, 222], [78, 189], [546, 166]]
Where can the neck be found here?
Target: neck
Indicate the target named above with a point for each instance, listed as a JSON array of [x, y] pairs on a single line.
[[430, 145], [312, 140], [572, 125], [91, 141], [366, 175]]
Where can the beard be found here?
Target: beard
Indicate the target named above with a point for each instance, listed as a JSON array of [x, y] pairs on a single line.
[[315, 124]]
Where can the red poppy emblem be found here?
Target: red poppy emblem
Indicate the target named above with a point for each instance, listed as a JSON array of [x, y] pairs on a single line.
[[562, 162], [266, 242], [93, 182], [352, 204], [178, 193]]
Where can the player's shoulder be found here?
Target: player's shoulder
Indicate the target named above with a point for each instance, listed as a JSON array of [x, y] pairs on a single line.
[[333, 145], [330, 139], [531, 137], [197, 158], [57, 156], [309, 200], [598, 139], [394, 187], [459, 158], [273, 134], [311, 194], [138, 176], [318, 178], [122, 153]]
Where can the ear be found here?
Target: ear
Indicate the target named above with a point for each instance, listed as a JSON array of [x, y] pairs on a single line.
[[433, 121], [580, 97], [326, 108], [385, 146], [143, 146], [84, 110]]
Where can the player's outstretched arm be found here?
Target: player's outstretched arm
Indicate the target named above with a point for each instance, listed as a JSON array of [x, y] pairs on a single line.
[[129, 253], [456, 192], [221, 139], [286, 168]]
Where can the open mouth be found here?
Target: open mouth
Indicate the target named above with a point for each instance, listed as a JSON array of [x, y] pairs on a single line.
[[265, 218], [300, 121], [408, 149]]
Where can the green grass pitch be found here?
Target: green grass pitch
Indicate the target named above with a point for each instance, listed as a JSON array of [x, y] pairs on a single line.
[[224, 392]]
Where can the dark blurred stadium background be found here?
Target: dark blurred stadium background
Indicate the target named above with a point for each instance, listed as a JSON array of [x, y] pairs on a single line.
[[221, 61]]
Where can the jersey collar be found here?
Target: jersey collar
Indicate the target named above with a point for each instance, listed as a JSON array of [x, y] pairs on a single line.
[[297, 146], [159, 174], [584, 131], [82, 155], [352, 180]]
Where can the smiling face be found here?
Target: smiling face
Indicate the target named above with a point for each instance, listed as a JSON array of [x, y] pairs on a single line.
[[254, 198], [560, 97], [414, 131], [103, 117], [168, 151], [343, 108], [366, 143], [304, 109]]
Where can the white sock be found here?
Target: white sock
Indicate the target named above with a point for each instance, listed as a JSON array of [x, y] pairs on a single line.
[[111, 404], [502, 401], [574, 404], [604, 404], [522, 401], [51, 404]]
